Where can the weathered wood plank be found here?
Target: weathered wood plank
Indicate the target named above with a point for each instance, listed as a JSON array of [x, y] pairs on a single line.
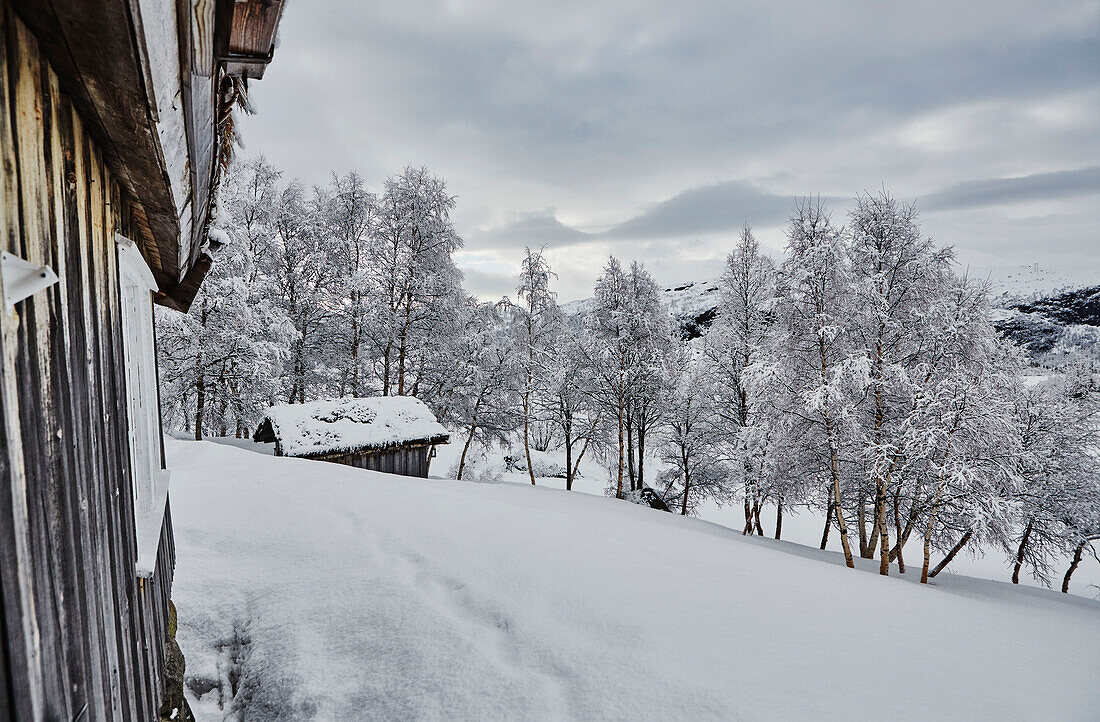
[[39, 415], [104, 391], [62, 531], [22, 644], [75, 373], [95, 488]]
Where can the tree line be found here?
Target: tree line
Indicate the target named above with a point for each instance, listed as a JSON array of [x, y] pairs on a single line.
[[859, 376]]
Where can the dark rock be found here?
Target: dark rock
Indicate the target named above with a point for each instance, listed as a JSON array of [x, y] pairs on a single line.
[[1081, 306], [653, 499], [174, 707]]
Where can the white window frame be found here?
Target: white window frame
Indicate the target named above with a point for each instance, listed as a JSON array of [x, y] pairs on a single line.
[[150, 480]]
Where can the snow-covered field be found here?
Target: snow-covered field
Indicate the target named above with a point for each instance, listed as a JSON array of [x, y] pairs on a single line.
[[799, 525], [309, 590]]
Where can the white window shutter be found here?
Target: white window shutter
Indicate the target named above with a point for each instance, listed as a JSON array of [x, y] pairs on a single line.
[[137, 283]]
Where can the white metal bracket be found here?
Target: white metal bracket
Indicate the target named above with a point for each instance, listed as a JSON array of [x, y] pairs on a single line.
[[22, 278]]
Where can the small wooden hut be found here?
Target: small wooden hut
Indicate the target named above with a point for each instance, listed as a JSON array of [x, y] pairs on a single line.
[[394, 434]]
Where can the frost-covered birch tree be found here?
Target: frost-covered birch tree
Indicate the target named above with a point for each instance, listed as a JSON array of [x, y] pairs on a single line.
[[691, 446], [747, 290], [417, 283], [350, 223], [569, 397], [539, 329], [486, 404], [809, 367], [221, 364], [898, 277]]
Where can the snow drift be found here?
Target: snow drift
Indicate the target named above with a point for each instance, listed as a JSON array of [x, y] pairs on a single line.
[[308, 590]]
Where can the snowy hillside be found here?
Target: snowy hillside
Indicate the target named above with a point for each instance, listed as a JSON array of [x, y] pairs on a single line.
[[1016, 284], [1050, 313], [308, 590], [692, 304]]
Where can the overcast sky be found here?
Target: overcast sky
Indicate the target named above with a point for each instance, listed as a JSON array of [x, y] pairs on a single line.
[[655, 130]]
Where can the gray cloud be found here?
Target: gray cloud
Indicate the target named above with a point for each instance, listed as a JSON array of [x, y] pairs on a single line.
[[722, 207], [533, 229], [1000, 191], [726, 111], [487, 285], [727, 207], [718, 208]]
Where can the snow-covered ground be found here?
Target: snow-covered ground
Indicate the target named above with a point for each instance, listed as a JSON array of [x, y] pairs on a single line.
[[799, 525], [308, 590]]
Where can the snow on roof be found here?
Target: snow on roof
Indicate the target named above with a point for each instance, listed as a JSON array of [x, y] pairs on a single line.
[[334, 425]]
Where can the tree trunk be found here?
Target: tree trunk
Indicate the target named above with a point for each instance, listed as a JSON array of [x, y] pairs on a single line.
[[779, 519], [896, 552], [927, 553], [577, 463], [526, 427], [568, 459], [401, 350], [748, 515], [834, 464], [828, 520], [756, 518], [880, 482], [465, 448], [641, 452], [619, 486], [630, 449], [903, 537], [684, 504], [1077, 553], [840, 522], [355, 355], [1021, 551], [883, 532], [924, 575], [200, 405], [861, 514], [386, 372], [951, 554], [403, 345], [868, 552]]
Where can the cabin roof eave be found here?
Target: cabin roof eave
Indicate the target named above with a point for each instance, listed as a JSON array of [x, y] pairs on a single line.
[[376, 448], [100, 50]]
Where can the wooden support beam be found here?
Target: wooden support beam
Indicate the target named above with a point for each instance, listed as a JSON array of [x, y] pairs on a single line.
[[180, 296]]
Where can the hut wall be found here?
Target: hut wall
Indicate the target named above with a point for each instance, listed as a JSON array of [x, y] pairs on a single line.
[[405, 460], [80, 636]]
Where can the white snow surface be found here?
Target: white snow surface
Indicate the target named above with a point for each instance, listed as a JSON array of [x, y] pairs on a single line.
[[353, 594], [1015, 284], [333, 425], [1008, 285], [685, 300]]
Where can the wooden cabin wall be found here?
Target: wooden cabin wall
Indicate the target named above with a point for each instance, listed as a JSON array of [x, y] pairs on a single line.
[[405, 460], [80, 638]]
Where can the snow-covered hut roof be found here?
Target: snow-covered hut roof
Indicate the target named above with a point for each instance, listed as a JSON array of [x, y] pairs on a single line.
[[346, 425]]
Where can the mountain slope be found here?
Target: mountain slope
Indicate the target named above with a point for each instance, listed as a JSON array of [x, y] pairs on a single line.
[[1041, 311], [308, 590]]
